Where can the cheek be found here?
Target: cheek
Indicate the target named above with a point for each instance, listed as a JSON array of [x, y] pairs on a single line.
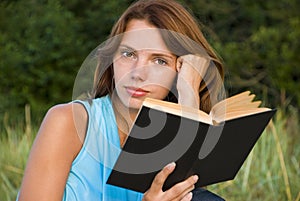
[[163, 77], [161, 92], [119, 72], [162, 85]]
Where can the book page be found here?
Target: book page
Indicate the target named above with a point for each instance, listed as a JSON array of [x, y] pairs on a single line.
[[246, 112], [236, 106], [179, 110]]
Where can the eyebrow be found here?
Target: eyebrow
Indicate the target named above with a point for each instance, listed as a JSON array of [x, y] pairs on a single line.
[[126, 46], [159, 53]]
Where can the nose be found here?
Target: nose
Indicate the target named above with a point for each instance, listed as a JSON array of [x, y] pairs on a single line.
[[139, 70]]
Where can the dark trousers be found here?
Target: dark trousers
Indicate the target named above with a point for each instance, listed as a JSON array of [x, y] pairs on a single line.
[[200, 194]]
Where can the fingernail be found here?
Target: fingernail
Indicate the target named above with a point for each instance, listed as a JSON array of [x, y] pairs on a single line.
[[195, 177], [189, 195], [171, 165]]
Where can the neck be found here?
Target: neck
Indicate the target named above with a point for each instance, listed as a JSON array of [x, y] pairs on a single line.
[[124, 118]]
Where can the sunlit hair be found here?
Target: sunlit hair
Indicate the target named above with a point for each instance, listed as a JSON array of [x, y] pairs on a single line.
[[165, 15]]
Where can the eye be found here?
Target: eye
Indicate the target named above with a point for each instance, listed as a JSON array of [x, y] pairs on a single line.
[[128, 54], [161, 61]]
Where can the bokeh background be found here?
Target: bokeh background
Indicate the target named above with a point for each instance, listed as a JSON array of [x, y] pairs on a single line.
[[43, 44]]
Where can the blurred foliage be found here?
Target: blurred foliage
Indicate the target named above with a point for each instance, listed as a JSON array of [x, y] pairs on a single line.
[[259, 42], [43, 43], [39, 54]]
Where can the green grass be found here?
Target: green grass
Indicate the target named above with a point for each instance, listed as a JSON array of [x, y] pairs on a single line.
[[271, 172], [15, 144]]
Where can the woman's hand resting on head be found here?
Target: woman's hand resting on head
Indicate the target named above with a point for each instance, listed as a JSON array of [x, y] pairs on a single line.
[[180, 191], [191, 70]]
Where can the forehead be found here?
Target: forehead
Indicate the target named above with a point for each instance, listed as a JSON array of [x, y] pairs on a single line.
[[141, 35]]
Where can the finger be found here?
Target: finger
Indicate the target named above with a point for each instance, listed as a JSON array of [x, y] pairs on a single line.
[[184, 193], [161, 177], [187, 197], [182, 188], [187, 183], [198, 63], [179, 63], [173, 196]]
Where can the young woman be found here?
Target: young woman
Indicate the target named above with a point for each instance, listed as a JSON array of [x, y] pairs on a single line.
[[153, 52]]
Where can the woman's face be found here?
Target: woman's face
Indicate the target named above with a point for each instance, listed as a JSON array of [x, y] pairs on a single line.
[[143, 65]]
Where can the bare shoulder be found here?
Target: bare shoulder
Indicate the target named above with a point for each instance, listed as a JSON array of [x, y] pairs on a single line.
[[66, 113], [66, 123], [70, 120]]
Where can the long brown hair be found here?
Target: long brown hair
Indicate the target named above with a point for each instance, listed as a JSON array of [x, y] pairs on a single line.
[[165, 15]]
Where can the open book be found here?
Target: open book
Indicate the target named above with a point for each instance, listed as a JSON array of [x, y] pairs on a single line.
[[214, 146], [233, 107]]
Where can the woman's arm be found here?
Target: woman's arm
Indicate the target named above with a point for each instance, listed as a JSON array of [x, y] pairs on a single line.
[[55, 147]]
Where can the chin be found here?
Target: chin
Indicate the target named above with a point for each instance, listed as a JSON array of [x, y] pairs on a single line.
[[131, 102], [135, 103]]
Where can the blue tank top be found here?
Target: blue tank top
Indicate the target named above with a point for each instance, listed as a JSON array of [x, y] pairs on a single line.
[[91, 168]]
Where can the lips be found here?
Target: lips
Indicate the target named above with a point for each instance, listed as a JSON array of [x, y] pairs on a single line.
[[136, 92]]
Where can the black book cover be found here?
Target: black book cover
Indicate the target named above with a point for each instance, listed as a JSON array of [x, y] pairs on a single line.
[[214, 153]]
